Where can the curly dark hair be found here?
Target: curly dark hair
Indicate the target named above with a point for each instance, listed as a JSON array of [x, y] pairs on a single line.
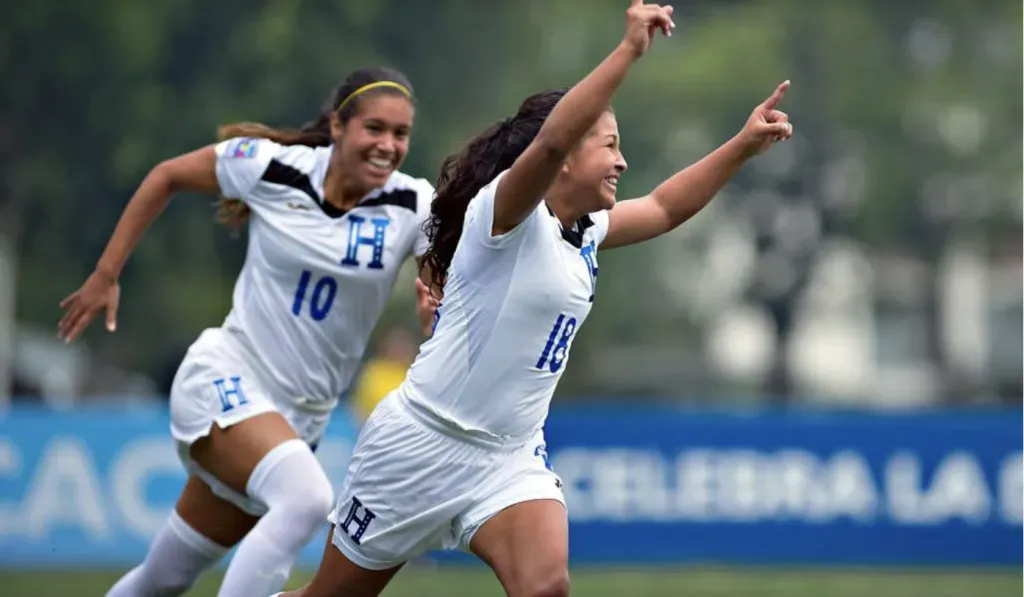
[[463, 174], [316, 133]]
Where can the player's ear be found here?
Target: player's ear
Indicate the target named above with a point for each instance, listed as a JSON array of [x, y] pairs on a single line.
[[336, 126]]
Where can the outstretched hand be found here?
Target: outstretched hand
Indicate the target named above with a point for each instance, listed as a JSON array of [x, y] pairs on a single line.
[[643, 21], [99, 293], [767, 125]]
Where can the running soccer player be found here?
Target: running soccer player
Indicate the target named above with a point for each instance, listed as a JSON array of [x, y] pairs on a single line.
[[455, 458], [331, 220]]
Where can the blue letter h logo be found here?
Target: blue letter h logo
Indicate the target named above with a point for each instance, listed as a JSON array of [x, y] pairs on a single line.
[[361, 523], [355, 240], [226, 393]]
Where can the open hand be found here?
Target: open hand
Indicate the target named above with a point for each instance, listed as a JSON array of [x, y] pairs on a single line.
[[99, 293]]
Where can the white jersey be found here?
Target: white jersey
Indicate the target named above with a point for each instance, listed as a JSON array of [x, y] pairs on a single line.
[[315, 278], [512, 305]]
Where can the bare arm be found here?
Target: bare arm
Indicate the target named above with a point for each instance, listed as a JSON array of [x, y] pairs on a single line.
[[675, 200], [688, 191], [521, 190], [194, 171]]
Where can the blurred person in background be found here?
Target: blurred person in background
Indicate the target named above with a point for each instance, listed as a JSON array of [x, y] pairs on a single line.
[[385, 371], [330, 219], [456, 457]]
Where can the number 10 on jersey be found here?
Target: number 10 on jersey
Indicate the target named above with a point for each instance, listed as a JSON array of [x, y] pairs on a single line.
[[558, 343], [322, 296]]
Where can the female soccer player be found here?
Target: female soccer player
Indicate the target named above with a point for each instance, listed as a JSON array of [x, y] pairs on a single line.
[[456, 456], [330, 219]]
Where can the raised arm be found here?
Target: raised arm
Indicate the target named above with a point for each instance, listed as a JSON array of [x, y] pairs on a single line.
[[688, 191], [522, 188], [194, 171]]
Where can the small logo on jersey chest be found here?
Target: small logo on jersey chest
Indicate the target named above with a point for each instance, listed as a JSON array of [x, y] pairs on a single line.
[[297, 205]]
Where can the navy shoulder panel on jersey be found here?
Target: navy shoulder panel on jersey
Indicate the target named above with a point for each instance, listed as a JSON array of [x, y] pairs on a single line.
[[278, 172], [399, 197]]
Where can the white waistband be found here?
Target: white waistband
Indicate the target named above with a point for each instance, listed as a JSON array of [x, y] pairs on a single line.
[[426, 416]]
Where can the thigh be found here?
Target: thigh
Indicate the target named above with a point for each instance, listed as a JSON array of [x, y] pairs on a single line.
[[216, 519], [338, 576], [406, 485], [527, 546], [223, 412], [231, 453]]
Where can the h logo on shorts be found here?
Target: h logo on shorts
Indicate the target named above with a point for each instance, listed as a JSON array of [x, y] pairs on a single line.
[[361, 523], [228, 393]]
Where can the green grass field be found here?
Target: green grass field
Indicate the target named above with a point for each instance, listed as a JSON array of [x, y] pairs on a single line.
[[595, 582]]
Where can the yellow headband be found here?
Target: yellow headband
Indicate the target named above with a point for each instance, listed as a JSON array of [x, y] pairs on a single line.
[[366, 88]]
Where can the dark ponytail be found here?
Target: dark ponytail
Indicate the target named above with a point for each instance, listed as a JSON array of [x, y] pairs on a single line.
[[463, 175], [316, 133]]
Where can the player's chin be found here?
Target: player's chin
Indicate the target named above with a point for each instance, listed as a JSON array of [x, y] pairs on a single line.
[[606, 197]]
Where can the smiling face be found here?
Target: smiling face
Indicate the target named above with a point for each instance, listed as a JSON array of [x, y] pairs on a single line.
[[373, 142], [595, 165]]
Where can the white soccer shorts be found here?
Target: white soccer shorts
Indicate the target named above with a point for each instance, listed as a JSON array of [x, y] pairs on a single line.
[[216, 385], [411, 487]]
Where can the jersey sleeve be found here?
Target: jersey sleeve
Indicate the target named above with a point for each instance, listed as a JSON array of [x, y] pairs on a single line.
[[600, 219], [480, 218], [240, 164], [424, 197]]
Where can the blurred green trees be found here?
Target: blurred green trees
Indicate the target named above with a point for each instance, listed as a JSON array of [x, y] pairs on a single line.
[[909, 117]]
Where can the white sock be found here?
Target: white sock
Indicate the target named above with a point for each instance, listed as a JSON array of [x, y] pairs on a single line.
[[298, 496], [176, 558]]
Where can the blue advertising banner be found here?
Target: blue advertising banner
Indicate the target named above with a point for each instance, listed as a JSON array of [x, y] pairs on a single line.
[[787, 487], [90, 488]]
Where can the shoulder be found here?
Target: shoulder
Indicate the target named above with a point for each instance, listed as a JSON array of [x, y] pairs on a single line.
[[484, 198], [404, 191], [400, 181], [291, 166], [594, 226], [242, 162], [296, 157], [243, 149]]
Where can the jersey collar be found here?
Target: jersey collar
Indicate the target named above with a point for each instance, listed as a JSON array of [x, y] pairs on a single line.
[[574, 235]]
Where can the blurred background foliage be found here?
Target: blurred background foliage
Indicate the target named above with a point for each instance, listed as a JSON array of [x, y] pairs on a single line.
[[874, 260]]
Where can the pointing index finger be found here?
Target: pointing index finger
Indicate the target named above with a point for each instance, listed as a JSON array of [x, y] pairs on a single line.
[[776, 95]]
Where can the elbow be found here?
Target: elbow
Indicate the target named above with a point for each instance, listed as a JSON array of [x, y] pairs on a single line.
[[162, 177], [672, 214]]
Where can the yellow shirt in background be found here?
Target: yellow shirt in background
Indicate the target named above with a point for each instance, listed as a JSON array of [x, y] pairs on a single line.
[[378, 378]]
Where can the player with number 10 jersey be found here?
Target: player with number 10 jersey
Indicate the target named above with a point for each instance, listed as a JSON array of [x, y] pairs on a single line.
[[330, 222]]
